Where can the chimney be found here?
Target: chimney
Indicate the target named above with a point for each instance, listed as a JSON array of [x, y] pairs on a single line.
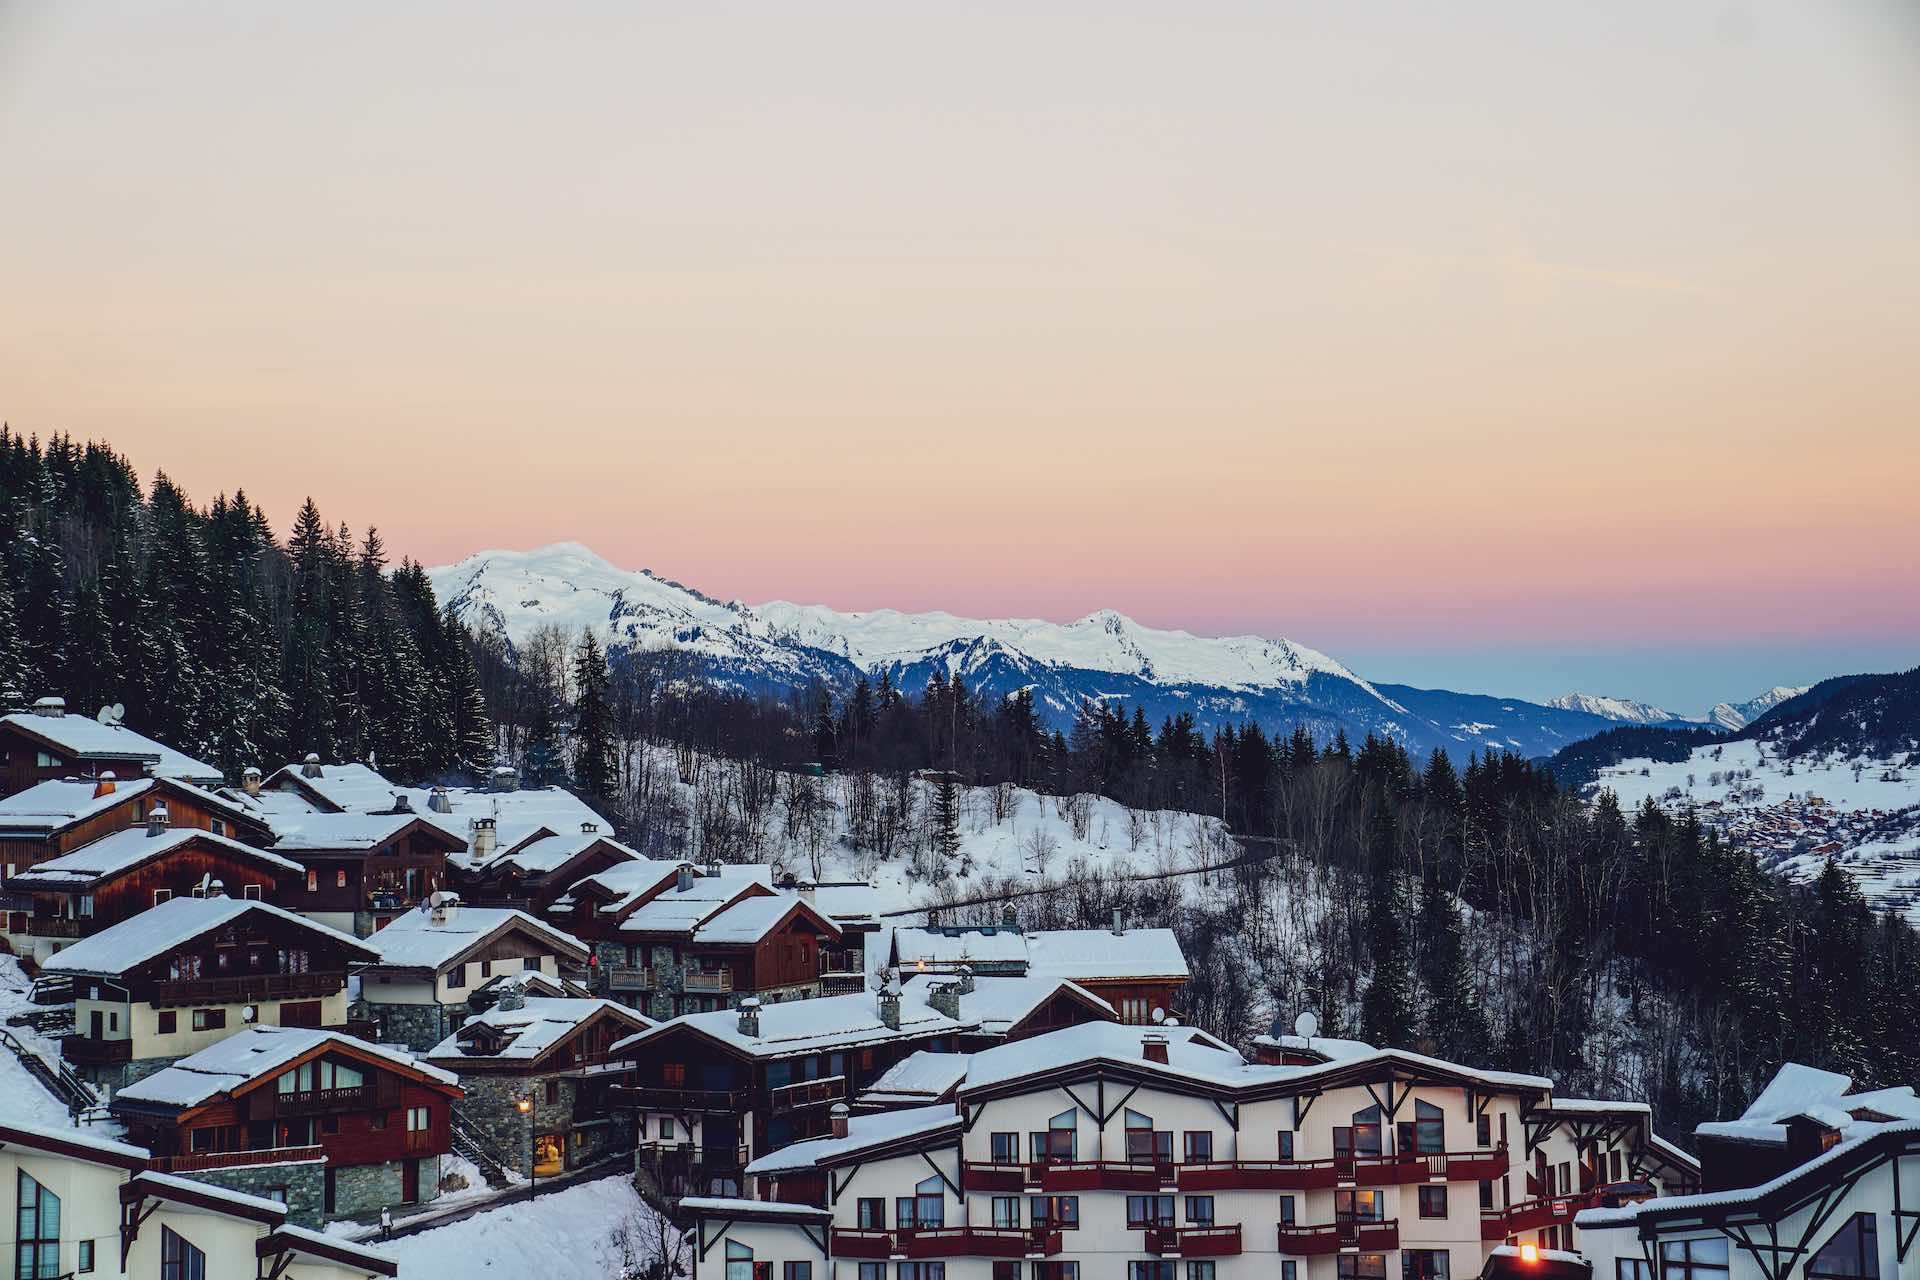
[[251, 780], [504, 778], [511, 997], [683, 879], [889, 1002], [944, 998], [310, 767], [485, 838], [1117, 926], [439, 801], [1153, 1047], [713, 868], [1008, 916], [402, 802], [157, 820], [103, 785], [750, 1016], [965, 975], [53, 708], [216, 889], [446, 905], [589, 828], [839, 1114]]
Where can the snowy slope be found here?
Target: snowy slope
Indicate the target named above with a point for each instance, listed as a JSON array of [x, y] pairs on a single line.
[[1625, 710], [572, 1234], [1738, 715], [1103, 657]]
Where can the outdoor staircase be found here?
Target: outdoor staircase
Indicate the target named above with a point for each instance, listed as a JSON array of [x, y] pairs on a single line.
[[469, 1144], [76, 1094]]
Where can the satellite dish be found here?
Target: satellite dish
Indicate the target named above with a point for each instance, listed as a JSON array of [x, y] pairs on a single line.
[[1159, 1015], [249, 1013], [112, 715], [1306, 1024]]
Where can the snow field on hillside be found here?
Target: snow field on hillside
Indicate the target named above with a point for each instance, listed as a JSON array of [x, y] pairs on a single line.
[[598, 1230]]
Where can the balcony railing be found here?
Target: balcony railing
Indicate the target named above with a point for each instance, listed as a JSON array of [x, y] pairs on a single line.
[[1438, 1166], [1194, 1242], [1531, 1215], [323, 1100], [1257, 1175], [658, 1098], [807, 1093], [842, 984], [1100, 1175], [977, 1176], [687, 1155], [1369, 1235], [624, 979], [254, 986], [85, 1049], [52, 927], [721, 981], [1309, 1242], [947, 1242], [236, 1159]]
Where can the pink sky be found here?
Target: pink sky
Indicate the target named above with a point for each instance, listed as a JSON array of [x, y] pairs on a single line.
[[1581, 327]]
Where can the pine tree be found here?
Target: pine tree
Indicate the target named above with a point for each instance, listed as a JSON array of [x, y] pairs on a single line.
[[944, 817], [41, 608], [12, 684], [471, 733], [1387, 1010], [1454, 1024], [595, 768]]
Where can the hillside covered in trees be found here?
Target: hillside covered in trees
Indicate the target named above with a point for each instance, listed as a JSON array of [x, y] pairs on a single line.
[[1476, 908]]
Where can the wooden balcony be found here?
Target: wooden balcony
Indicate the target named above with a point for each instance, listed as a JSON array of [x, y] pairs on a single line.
[[1100, 1175], [624, 979], [851, 1243], [680, 1101], [722, 981], [1369, 1236], [1194, 1242], [806, 1093], [947, 1242], [247, 988], [842, 984], [1532, 1215], [1444, 1166], [91, 1052], [1257, 1175], [977, 1176], [1309, 1242], [236, 1159], [358, 1098], [52, 927], [688, 1156]]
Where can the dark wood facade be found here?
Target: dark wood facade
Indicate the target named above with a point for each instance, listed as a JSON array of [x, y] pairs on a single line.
[[381, 881], [177, 872], [185, 806], [497, 882], [28, 758]]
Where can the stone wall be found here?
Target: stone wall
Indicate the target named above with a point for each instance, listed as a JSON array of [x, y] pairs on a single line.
[[364, 1190], [418, 1026], [115, 1076], [303, 1184], [490, 1108]]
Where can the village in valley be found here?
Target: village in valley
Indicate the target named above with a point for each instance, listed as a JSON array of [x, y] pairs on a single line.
[[313, 1024]]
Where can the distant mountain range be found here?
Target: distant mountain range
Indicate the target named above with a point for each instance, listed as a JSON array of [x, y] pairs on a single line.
[[1104, 656], [1724, 715]]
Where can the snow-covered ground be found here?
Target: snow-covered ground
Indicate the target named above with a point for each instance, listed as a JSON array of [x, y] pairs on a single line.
[[23, 1099], [1795, 811], [573, 1234]]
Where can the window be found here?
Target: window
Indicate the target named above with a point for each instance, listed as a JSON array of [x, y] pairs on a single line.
[[37, 1251], [1566, 1177], [1363, 1266], [872, 1213], [1199, 1147], [1199, 1211], [250, 893], [1632, 1269], [1006, 1271], [673, 1075], [179, 1260], [924, 1208], [1486, 1193], [1006, 1211], [922, 1271], [84, 1263], [739, 1261], [1149, 1211], [1200, 1271], [1694, 1259], [1357, 1206], [209, 1019], [1361, 1138], [1483, 1130], [1286, 1144], [1059, 1212], [1006, 1148], [457, 976], [666, 1129], [1145, 1143], [1150, 1271], [419, 1119], [1426, 1133], [330, 1125], [1060, 1141], [553, 1091], [1433, 1202], [1286, 1211], [340, 878], [1289, 1270], [313, 880], [868, 1271], [796, 1271], [1851, 1253], [86, 906], [1423, 1264], [378, 1120]]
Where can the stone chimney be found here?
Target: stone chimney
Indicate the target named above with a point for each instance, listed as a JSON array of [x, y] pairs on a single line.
[[103, 785], [53, 708], [504, 778], [1153, 1046], [965, 975], [944, 998], [402, 802], [485, 838], [839, 1114], [511, 997], [683, 879], [750, 1017], [889, 1003], [1118, 927], [310, 767], [251, 780], [157, 821], [439, 801], [446, 906]]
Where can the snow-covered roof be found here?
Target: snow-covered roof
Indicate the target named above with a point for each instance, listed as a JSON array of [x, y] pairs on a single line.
[[864, 1132], [48, 806], [322, 832], [988, 945], [414, 941], [545, 854], [1797, 1090], [679, 910], [1083, 954], [84, 738], [809, 1026], [727, 1206], [1000, 1004], [254, 1054], [302, 1242], [34, 1135], [173, 924], [531, 1030], [1331, 1048], [350, 788], [846, 903], [111, 855], [922, 1074], [167, 1186], [752, 919], [625, 882]]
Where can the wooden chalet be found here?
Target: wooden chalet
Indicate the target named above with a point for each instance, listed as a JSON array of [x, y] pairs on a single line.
[[554, 1055], [540, 867], [1002, 1009], [372, 1122], [1137, 971], [183, 975], [100, 884], [46, 744], [50, 819], [365, 869]]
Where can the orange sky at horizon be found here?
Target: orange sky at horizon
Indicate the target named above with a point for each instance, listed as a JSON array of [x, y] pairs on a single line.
[[1566, 325]]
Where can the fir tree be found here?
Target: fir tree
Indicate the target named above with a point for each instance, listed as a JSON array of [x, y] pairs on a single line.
[[1454, 1025], [944, 817], [595, 769], [1386, 1010]]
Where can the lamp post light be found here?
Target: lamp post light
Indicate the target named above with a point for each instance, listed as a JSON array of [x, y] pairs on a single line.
[[525, 1105]]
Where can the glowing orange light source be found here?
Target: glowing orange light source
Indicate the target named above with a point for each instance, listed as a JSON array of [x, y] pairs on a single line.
[[1529, 1253]]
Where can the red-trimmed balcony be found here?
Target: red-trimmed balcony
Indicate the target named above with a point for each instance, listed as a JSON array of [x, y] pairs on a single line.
[[1532, 1215], [1369, 1236], [851, 1243], [1309, 1242], [1257, 1175], [976, 1242], [980, 1176], [1414, 1166], [1100, 1175], [1194, 1242]]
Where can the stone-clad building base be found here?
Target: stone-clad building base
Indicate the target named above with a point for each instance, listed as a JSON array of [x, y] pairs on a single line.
[[115, 1076], [303, 1186], [418, 1026], [491, 1108]]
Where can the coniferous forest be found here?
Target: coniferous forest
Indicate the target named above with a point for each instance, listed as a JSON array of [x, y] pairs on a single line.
[[1477, 909]]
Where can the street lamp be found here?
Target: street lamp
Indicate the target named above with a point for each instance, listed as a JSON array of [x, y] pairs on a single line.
[[525, 1105]]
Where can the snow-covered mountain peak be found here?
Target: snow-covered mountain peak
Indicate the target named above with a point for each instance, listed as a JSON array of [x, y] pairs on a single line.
[[1626, 710], [1738, 715]]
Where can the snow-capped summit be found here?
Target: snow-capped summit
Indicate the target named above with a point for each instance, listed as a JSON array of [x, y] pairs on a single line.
[[1738, 715], [1625, 710]]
